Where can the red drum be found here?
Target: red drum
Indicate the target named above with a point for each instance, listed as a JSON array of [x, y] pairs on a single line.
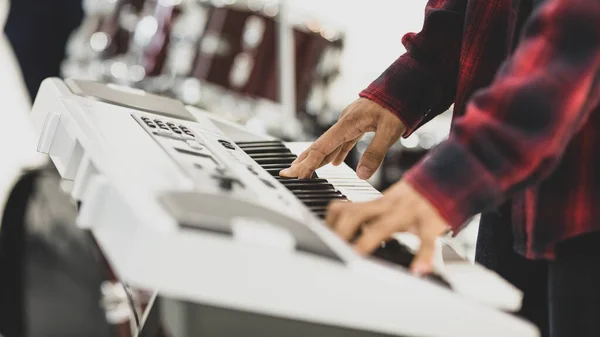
[[104, 34], [152, 34], [114, 31], [238, 52]]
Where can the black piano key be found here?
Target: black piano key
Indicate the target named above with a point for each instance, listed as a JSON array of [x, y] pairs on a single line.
[[275, 166], [309, 187], [258, 144], [328, 195], [298, 193], [318, 209], [286, 180], [302, 193], [271, 155], [274, 171], [275, 160], [271, 149], [305, 183], [276, 141], [321, 214], [323, 203]]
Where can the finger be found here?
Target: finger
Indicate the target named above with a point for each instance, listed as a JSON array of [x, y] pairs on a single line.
[[371, 159], [292, 171], [331, 157], [341, 132], [344, 150], [378, 231], [301, 157], [423, 262], [310, 164], [355, 215], [334, 209]]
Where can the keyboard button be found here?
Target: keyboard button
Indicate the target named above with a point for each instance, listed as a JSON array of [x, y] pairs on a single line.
[[195, 145], [268, 183], [227, 144], [163, 132]]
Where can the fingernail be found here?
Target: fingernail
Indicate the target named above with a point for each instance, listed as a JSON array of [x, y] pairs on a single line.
[[285, 171], [363, 172]]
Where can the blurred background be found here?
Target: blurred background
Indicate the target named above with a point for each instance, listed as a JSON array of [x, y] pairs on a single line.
[[219, 55]]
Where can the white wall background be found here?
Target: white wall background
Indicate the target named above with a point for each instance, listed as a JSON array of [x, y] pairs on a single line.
[[374, 29]]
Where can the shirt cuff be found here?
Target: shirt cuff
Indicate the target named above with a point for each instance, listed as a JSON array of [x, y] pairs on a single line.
[[455, 183]]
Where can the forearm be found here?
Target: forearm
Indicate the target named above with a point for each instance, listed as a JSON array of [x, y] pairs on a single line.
[[423, 80], [515, 131]]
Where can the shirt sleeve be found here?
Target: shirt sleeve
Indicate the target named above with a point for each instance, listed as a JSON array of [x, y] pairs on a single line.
[[515, 131], [422, 82]]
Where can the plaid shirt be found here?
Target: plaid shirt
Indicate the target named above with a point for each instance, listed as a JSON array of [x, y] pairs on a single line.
[[526, 127]]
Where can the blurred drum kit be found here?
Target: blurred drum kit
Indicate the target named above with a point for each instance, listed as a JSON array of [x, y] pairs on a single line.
[[220, 55]]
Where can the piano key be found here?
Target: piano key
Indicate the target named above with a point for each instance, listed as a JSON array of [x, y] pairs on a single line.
[[275, 166], [271, 154], [255, 150], [285, 180], [308, 191], [321, 214], [319, 194], [319, 209], [274, 171], [319, 186], [318, 202], [274, 141], [309, 197], [275, 160], [258, 144], [342, 177]]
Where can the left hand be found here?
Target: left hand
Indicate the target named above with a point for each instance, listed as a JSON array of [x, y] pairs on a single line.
[[401, 209]]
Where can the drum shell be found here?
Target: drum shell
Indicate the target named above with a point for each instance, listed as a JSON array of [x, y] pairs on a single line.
[[225, 30]]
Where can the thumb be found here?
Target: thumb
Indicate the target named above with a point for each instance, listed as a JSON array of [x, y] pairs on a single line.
[[423, 262], [374, 154]]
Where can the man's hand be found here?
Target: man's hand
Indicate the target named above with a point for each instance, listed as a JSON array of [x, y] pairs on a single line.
[[401, 209], [358, 118]]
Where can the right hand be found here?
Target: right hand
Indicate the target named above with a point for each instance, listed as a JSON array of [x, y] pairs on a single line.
[[358, 118]]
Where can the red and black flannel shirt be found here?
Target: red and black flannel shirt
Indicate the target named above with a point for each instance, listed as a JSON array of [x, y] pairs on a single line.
[[526, 127]]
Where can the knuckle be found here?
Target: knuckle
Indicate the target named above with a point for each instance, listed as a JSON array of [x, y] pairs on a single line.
[[373, 156]]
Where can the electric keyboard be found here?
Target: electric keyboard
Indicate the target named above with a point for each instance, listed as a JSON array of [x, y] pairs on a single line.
[[192, 206]]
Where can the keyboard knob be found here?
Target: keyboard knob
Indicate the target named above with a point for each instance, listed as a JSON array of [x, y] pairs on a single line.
[[226, 184]]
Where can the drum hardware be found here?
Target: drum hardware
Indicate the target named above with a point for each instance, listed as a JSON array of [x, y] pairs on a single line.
[[153, 34]]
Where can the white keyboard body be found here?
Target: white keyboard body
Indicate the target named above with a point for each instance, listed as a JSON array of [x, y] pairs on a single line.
[[165, 223]]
